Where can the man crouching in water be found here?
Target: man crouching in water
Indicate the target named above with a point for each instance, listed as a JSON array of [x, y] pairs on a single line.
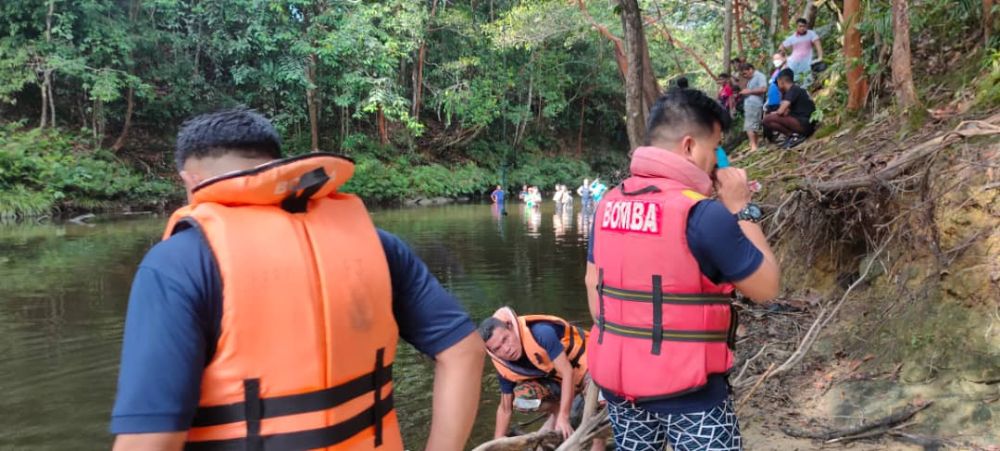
[[541, 364]]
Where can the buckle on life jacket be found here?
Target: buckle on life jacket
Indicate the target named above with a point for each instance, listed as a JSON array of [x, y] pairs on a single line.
[[309, 184]]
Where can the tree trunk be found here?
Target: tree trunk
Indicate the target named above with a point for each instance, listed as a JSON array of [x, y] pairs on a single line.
[[650, 86], [619, 45], [418, 71], [785, 17], [902, 70], [772, 27], [44, 120], [579, 138], [987, 21], [312, 102], [738, 28], [129, 108], [857, 86], [809, 12], [635, 116], [727, 36], [47, 102], [383, 130]]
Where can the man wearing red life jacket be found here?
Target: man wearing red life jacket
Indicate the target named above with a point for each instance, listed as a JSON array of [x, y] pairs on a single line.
[[664, 262], [541, 364], [267, 318]]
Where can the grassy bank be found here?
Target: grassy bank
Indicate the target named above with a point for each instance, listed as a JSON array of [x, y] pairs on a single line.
[[49, 172]]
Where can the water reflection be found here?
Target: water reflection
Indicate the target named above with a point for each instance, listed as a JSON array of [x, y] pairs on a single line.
[[562, 220], [533, 217], [63, 293]]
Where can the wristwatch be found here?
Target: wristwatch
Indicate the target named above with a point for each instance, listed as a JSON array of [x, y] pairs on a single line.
[[751, 213]]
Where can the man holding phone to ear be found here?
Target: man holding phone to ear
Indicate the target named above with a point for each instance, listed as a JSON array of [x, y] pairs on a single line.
[[664, 261]]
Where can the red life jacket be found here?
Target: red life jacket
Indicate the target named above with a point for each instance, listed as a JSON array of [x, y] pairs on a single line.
[[663, 326]]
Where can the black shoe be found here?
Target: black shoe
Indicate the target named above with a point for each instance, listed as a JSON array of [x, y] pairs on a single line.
[[787, 144], [795, 140]]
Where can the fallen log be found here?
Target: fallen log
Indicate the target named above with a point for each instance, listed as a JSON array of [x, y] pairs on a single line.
[[903, 162], [862, 428], [594, 423], [546, 439]]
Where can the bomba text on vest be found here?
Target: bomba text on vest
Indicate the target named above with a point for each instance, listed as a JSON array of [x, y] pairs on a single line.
[[632, 216]]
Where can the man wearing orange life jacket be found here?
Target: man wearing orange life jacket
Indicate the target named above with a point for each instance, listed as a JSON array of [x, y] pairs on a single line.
[[664, 261], [267, 318], [541, 364]]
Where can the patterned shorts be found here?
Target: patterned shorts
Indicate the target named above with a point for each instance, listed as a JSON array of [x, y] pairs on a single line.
[[638, 430]]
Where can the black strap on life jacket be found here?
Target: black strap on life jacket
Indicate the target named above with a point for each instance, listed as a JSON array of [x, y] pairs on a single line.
[[253, 409], [377, 408], [575, 359], [600, 297], [309, 184], [644, 190], [657, 314], [668, 298], [703, 336]]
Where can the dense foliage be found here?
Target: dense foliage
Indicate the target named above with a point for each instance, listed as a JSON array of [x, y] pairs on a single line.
[[448, 96], [42, 170]]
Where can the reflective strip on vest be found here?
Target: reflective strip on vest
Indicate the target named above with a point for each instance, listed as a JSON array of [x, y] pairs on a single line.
[[668, 335], [668, 298]]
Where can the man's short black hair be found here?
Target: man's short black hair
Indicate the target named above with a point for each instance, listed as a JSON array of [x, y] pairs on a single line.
[[787, 74], [802, 21], [746, 66], [724, 75], [240, 131], [488, 325], [684, 111], [682, 82]]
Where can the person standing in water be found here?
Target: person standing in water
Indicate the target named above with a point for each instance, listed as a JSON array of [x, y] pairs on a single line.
[[268, 316], [584, 192], [497, 196], [597, 190]]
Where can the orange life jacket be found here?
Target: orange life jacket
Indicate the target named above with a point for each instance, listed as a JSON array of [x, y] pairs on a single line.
[[574, 342], [307, 341], [662, 326]]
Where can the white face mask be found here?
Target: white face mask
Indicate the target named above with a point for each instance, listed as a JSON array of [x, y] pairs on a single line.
[[778, 63]]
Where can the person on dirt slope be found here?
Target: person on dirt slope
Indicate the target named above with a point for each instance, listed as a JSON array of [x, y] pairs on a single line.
[[801, 44], [794, 116], [664, 260]]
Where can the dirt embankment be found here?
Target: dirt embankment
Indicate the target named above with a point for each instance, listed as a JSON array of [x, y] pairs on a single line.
[[890, 248]]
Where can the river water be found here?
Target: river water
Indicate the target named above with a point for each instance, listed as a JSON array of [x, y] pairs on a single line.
[[64, 291]]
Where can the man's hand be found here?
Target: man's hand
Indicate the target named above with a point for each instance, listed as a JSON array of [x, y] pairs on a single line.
[[562, 425], [457, 374], [731, 187]]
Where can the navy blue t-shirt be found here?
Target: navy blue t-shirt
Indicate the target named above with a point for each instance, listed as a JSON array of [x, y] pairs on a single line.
[[549, 337], [724, 254], [175, 313]]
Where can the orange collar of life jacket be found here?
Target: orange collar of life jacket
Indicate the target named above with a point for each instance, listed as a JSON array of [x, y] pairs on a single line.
[[289, 182]]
